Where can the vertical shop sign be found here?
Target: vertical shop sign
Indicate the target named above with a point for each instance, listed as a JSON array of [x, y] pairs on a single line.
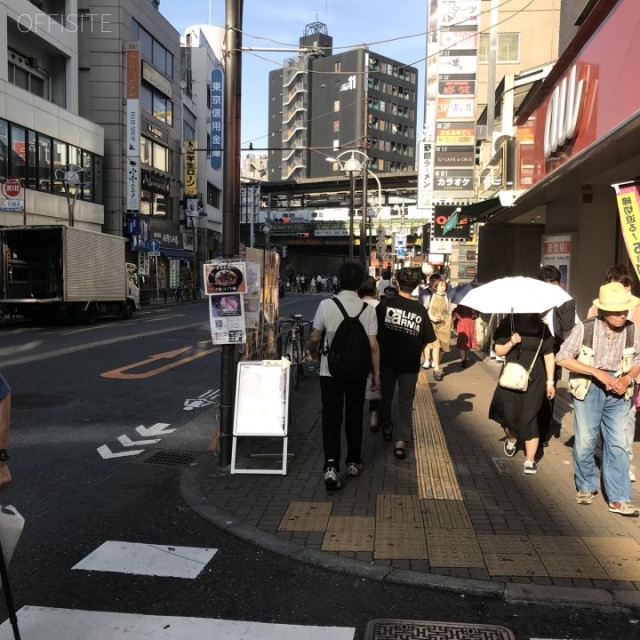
[[133, 126], [217, 115], [629, 210], [190, 168]]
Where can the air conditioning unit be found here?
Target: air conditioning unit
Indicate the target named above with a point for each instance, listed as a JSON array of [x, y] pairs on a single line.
[[498, 138]]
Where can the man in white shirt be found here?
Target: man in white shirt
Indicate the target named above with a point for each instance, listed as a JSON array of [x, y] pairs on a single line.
[[343, 396]]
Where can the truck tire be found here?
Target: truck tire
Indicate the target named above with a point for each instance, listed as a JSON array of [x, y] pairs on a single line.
[[91, 314], [127, 311]]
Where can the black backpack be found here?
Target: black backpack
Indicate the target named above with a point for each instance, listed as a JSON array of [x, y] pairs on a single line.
[[349, 354]]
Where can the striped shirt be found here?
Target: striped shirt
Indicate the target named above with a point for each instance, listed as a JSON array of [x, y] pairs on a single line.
[[608, 346]]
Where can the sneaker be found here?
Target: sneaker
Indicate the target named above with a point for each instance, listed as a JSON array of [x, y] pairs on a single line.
[[437, 375], [510, 448], [530, 467], [463, 364], [584, 497], [624, 509], [632, 473], [426, 364], [354, 469], [332, 479]]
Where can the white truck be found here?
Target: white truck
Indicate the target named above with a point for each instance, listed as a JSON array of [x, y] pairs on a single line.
[[60, 272]]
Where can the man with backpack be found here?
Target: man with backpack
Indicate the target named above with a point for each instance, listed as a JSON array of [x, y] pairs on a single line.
[[344, 331], [404, 331], [603, 357]]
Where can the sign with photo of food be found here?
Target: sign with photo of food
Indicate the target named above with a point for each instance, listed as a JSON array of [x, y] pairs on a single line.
[[227, 277]]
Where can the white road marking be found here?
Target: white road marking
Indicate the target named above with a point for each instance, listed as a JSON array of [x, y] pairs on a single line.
[[106, 453], [158, 429], [44, 623], [147, 559], [126, 441], [203, 400]]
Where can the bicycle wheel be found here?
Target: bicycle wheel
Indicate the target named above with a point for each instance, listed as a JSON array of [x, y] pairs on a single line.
[[304, 354], [295, 364]]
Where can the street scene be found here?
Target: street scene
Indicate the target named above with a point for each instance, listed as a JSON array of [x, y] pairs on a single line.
[[319, 321]]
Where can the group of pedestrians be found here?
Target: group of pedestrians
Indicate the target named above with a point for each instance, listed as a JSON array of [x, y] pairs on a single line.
[[602, 356], [398, 329]]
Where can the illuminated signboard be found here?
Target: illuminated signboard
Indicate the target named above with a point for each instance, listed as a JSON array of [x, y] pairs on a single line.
[[455, 133]]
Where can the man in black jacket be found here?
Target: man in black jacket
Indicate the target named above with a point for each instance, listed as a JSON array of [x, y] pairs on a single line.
[[560, 321]]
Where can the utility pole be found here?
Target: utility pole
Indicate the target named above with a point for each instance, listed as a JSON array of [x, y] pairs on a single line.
[[231, 204]]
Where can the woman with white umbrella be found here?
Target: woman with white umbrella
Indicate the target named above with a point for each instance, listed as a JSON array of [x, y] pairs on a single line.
[[523, 338]]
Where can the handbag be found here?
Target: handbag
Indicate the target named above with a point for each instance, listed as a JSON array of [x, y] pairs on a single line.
[[514, 376]]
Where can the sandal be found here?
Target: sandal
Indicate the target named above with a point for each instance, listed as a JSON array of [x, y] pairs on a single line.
[[387, 434], [400, 452]]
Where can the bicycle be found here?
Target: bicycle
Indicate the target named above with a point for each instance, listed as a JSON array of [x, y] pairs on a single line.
[[292, 344]]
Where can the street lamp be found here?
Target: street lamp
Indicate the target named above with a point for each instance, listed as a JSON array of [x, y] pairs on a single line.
[[352, 167], [73, 178]]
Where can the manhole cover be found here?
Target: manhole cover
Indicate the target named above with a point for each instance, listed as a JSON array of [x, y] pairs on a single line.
[[38, 401], [170, 458], [424, 630]]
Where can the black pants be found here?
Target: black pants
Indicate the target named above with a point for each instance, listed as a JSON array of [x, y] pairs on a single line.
[[340, 396]]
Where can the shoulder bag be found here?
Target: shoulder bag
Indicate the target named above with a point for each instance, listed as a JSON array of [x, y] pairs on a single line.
[[514, 376]]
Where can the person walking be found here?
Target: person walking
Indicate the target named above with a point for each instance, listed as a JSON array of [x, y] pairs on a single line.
[[464, 322], [339, 396], [602, 355], [560, 321], [404, 331], [440, 315], [369, 294], [524, 339], [623, 274], [5, 422]]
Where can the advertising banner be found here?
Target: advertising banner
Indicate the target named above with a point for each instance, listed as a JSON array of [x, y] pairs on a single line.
[[556, 250], [217, 118], [190, 168], [459, 181], [449, 224], [452, 108], [455, 133], [12, 196], [629, 210]]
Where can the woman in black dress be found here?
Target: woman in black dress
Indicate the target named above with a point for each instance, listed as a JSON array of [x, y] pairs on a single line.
[[519, 337]]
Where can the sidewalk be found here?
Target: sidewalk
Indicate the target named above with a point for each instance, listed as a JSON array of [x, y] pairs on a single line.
[[457, 514]]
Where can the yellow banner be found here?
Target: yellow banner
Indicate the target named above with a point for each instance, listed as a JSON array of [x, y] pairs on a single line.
[[190, 168], [630, 221]]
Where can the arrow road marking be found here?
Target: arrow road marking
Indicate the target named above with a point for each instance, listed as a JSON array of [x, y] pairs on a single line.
[[203, 400], [106, 453], [126, 441], [158, 429]]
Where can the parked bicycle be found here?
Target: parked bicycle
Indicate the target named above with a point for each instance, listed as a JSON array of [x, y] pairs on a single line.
[[292, 344]]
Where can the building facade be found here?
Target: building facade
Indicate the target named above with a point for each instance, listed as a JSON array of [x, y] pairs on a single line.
[[321, 103], [41, 128]]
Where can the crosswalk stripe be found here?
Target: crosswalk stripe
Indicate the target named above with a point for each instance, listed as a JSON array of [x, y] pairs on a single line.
[[44, 623], [147, 559]]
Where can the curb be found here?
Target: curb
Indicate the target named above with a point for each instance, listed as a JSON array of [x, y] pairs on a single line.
[[196, 500]]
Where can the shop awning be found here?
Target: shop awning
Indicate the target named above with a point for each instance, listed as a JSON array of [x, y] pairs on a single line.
[[479, 211], [176, 253]]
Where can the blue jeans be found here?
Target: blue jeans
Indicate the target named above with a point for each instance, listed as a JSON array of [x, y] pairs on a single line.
[[604, 411], [406, 382]]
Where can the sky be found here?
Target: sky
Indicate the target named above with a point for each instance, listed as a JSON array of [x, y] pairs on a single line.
[[401, 23]]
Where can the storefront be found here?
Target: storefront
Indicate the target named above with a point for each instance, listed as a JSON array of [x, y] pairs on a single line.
[[578, 135]]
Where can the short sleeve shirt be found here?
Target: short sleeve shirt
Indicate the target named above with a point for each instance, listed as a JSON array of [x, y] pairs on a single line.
[[328, 317]]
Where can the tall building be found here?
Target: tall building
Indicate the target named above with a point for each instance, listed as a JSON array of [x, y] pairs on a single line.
[[322, 102], [41, 129]]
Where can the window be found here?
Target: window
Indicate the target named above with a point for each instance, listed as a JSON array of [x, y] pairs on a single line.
[[337, 67], [336, 125], [18, 155], [85, 194], [44, 163], [336, 105], [24, 75], [152, 50], [508, 48], [213, 195], [4, 148], [32, 160], [59, 160], [154, 155]]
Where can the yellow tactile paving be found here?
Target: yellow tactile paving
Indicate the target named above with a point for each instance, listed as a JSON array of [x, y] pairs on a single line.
[[349, 533], [506, 544], [613, 546], [621, 567], [306, 516], [400, 541], [453, 548], [514, 564], [398, 508], [436, 474], [445, 514], [573, 566]]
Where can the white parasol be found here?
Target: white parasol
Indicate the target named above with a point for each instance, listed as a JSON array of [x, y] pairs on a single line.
[[515, 295]]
